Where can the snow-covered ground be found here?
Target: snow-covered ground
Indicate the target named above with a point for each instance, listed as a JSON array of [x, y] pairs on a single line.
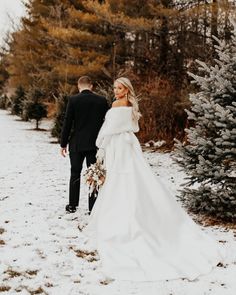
[[44, 251]]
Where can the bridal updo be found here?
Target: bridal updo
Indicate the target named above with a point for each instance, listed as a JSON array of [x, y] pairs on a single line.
[[131, 96]]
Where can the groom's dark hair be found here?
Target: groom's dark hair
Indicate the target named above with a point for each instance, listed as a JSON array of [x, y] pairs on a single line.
[[85, 80]]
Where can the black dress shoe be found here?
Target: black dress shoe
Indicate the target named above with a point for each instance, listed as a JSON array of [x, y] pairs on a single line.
[[70, 209]]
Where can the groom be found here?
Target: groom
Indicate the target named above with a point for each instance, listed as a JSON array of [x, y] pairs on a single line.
[[84, 117]]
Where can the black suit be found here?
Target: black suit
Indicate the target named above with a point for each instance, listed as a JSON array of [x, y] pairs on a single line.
[[84, 117]]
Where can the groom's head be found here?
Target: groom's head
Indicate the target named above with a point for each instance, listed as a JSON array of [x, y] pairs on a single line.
[[85, 82]]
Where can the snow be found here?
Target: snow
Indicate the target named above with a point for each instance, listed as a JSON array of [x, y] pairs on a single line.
[[43, 250], [158, 143]]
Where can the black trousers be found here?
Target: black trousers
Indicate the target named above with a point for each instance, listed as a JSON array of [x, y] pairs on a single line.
[[76, 161]]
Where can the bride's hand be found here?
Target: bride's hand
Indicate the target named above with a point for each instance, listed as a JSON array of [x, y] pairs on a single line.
[[100, 154]]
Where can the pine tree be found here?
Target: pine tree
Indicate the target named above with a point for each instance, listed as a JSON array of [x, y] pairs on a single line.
[[81, 43], [209, 156], [32, 51], [4, 102], [3, 72], [58, 42], [17, 101], [33, 108], [61, 103]]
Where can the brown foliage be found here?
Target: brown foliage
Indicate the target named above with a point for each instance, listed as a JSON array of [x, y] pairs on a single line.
[[162, 107], [51, 109]]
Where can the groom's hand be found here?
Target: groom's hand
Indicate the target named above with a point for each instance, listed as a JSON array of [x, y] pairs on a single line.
[[64, 151]]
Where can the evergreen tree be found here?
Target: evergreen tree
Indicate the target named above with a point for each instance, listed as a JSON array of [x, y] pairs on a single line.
[[58, 42], [33, 107], [61, 103], [32, 51], [3, 71], [82, 44], [17, 101], [209, 157], [3, 102]]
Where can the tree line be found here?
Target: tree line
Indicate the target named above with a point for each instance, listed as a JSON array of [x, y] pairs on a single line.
[[154, 43]]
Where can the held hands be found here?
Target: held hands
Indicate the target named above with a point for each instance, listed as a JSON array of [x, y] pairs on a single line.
[[64, 152]]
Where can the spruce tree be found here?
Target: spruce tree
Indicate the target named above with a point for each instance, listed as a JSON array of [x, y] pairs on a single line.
[[33, 107], [209, 156], [61, 103], [4, 102], [17, 101], [3, 72]]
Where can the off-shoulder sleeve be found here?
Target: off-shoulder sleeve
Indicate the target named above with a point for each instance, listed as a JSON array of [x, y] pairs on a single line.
[[118, 120]]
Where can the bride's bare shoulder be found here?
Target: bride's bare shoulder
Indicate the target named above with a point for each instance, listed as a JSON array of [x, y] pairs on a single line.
[[119, 103]]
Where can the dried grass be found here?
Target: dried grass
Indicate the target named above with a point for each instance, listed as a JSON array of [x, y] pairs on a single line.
[[4, 288], [90, 256], [2, 242]]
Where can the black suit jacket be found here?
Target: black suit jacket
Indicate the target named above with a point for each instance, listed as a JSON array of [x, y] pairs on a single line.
[[84, 116]]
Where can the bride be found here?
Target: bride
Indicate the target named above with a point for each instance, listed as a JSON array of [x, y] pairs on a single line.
[[140, 231]]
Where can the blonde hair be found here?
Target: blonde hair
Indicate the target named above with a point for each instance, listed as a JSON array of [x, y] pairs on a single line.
[[131, 96]]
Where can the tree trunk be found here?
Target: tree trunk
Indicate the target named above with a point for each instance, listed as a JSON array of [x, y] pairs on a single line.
[[214, 21], [164, 45], [227, 31]]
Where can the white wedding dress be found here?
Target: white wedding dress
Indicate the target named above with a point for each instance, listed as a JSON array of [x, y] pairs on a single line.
[[140, 231]]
